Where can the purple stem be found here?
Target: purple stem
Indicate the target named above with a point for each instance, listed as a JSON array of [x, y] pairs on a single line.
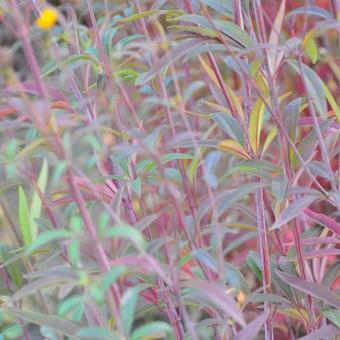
[[285, 156]]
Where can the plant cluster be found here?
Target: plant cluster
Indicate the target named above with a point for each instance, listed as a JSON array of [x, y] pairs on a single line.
[[169, 169]]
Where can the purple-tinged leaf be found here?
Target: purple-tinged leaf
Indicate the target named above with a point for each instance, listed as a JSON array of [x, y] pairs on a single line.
[[292, 210], [36, 285], [314, 86], [261, 297], [323, 220], [57, 324], [332, 274], [322, 332], [218, 297], [253, 328], [311, 288], [312, 11], [176, 53], [321, 253], [316, 240]]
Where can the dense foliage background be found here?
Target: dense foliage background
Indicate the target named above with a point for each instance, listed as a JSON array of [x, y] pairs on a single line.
[[169, 169]]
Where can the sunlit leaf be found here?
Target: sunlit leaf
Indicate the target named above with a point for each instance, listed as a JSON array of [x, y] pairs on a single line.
[[24, 220]]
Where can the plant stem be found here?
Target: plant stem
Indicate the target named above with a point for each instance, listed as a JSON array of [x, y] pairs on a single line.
[[259, 193], [285, 156]]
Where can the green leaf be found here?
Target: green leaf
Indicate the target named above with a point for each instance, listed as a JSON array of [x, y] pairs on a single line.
[[333, 104], [12, 332], [66, 306], [332, 315], [174, 156], [11, 149], [128, 306], [270, 137], [136, 185], [331, 275], [36, 204], [46, 237], [231, 30], [259, 168], [151, 329], [312, 50], [224, 7], [70, 60], [30, 148], [134, 17], [254, 267], [24, 220], [255, 125], [233, 147], [112, 276], [13, 268], [127, 232], [99, 333]]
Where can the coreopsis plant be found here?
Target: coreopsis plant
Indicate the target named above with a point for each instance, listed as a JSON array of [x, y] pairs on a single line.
[[169, 169]]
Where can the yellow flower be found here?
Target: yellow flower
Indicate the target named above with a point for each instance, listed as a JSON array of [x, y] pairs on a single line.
[[47, 19]]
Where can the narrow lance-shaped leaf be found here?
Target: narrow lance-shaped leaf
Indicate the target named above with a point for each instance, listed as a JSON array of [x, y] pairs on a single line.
[[324, 220], [144, 14], [292, 210], [221, 6], [228, 28], [219, 298], [35, 209], [234, 148], [127, 232], [169, 58], [274, 57], [323, 332], [70, 60], [311, 49], [60, 325], [271, 136], [253, 328], [255, 125], [128, 306], [46, 237], [311, 288], [234, 99], [314, 85], [153, 330], [333, 104], [312, 11], [24, 219], [333, 315]]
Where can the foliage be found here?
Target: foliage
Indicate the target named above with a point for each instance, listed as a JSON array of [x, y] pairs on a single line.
[[169, 169]]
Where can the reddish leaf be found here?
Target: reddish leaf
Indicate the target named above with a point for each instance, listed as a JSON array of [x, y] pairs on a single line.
[[311, 288], [324, 220]]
